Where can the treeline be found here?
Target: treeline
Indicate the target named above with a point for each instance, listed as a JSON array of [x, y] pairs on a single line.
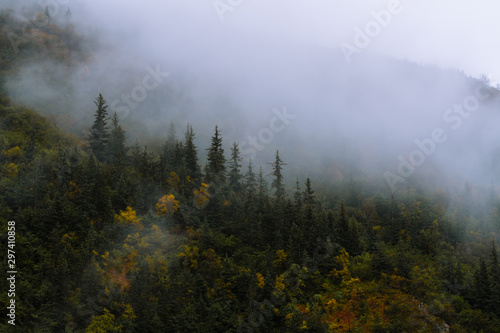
[[120, 238]]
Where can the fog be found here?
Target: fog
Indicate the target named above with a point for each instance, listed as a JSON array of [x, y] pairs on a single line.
[[336, 86]]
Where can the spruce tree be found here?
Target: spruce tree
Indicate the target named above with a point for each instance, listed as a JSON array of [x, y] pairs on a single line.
[[216, 167], [309, 198], [277, 184], [99, 133], [234, 168], [191, 156], [495, 280], [250, 179], [116, 147], [481, 287], [169, 149]]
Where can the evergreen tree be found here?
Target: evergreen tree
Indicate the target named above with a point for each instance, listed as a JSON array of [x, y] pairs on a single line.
[[191, 156], [495, 280], [216, 167], [63, 169], [309, 199], [169, 150], [277, 184], [117, 150], [481, 287], [297, 198], [262, 186], [99, 133], [250, 179], [234, 168]]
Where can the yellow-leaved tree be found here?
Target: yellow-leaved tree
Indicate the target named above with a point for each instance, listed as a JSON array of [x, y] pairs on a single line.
[[128, 217], [201, 196], [167, 205]]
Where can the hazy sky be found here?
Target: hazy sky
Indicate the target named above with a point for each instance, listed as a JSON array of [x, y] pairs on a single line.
[[233, 62], [459, 34]]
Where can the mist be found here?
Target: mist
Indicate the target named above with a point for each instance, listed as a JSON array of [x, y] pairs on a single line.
[[311, 80]]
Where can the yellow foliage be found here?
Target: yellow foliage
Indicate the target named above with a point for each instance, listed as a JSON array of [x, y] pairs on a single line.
[[68, 237], [12, 170], [128, 217], [173, 181], [281, 256], [103, 323], [201, 196], [190, 255], [167, 205], [279, 283], [260, 280], [343, 260], [74, 191], [13, 152]]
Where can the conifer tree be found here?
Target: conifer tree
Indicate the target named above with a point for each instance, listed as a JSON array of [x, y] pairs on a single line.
[[250, 179], [481, 287], [191, 156], [495, 280], [99, 133], [234, 168], [216, 168], [116, 147], [277, 184], [169, 148], [309, 198]]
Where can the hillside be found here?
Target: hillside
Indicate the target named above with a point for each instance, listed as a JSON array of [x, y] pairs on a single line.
[[138, 223]]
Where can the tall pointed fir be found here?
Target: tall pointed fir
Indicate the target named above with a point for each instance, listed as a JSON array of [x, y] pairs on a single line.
[[216, 167], [250, 180], [495, 280], [99, 133], [277, 184], [191, 156], [169, 149], [116, 147], [234, 168]]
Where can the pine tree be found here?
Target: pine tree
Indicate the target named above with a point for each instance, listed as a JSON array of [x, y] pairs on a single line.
[[216, 167], [99, 133], [277, 184], [191, 156], [481, 288], [169, 150], [250, 179], [495, 280], [297, 198], [309, 198], [234, 168], [116, 147], [342, 228], [63, 169]]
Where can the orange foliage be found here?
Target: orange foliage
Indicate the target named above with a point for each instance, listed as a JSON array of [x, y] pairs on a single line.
[[128, 217], [201, 196], [167, 205]]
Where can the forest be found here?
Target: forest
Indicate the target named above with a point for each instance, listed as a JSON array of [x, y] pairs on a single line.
[[114, 235]]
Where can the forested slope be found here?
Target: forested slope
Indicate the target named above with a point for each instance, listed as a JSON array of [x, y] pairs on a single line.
[[128, 239], [117, 236]]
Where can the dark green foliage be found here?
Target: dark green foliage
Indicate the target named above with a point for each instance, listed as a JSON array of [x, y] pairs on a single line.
[[231, 257], [99, 132], [234, 169], [216, 168], [190, 155], [278, 182], [117, 151]]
